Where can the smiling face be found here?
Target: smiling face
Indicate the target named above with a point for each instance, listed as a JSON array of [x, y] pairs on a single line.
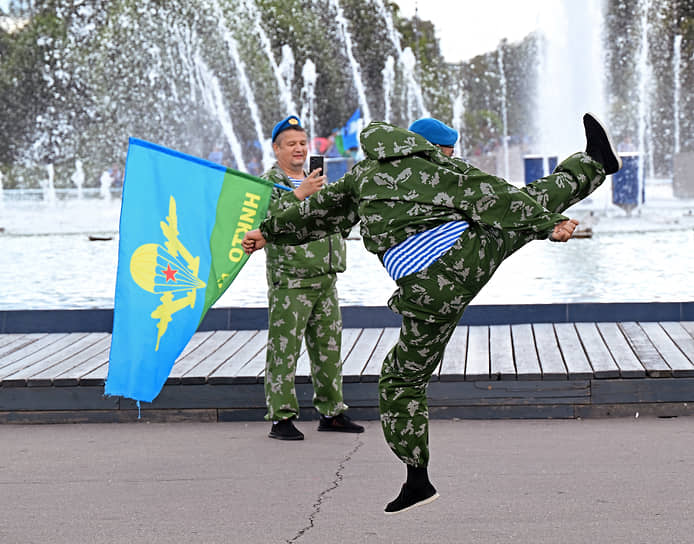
[[291, 148]]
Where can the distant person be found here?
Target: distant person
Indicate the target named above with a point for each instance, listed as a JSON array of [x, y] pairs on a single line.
[[440, 227], [626, 146], [216, 155], [302, 300]]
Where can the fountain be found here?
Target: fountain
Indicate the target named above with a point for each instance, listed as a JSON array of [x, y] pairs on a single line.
[[354, 65], [388, 84], [504, 113], [78, 178], [48, 185], [308, 93], [570, 78], [208, 71]]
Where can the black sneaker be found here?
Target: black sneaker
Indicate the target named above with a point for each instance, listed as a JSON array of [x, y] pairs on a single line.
[[599, 145], [285, 430], [339, 424], [410, 498]]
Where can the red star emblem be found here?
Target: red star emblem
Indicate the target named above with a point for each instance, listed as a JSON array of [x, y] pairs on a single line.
[[170, 273]]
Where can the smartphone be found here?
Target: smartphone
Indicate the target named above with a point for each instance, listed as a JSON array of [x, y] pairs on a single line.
[[316, 161]]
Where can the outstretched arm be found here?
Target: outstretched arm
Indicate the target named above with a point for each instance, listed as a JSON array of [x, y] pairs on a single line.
[[331, 210]]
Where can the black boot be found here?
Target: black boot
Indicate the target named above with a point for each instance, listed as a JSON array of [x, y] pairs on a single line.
[[416, 491], [599, 145], [285, 430]]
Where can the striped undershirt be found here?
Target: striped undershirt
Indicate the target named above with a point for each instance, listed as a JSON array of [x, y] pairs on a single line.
[[419, 251]]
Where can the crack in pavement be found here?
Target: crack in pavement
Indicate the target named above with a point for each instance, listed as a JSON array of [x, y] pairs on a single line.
[[323, 494]]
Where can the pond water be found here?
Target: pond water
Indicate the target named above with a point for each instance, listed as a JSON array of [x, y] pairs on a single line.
[[50, 263]]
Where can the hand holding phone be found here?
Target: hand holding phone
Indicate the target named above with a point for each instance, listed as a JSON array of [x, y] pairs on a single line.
[[316, 161]]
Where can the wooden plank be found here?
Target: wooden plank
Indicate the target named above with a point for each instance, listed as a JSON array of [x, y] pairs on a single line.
[[193, 344], [18, 342], [234, 347], [548, 352], [628, 363], [501, 352], [9, 338], [669, 349], [92, 360], [195, 356], [681, 337], [477, 361], [24, 346], [356, 359], [204, 346], [35, 352], [525, 353], [47, 377], [645, 351], [599, 356], [372, 370], [254, 370], [453, 364], [96, 376], [688, 326], [60, 358], [575, 358], [244, 352]]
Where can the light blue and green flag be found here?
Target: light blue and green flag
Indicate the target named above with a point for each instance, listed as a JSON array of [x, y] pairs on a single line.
[[181, 226]]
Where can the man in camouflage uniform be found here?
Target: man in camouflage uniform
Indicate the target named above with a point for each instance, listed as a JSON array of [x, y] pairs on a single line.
[[407, 186], [302, 301]]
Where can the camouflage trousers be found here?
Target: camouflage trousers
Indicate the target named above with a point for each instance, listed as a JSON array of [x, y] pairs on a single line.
[[433, 300], [313, 312]]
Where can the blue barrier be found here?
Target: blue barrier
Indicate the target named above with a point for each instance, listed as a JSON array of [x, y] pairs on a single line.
[[625, 183], [335, 168], [535, 167]]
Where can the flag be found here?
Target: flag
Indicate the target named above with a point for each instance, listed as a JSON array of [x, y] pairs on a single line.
[[350, 132], [181, 226]]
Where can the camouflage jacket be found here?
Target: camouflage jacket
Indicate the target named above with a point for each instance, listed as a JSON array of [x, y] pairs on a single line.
[[404, 186], [294, 266]]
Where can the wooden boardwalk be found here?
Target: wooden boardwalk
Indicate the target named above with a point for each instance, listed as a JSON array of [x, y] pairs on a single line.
[[512, 370]]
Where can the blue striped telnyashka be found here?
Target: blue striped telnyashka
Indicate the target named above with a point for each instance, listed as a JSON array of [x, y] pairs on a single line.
[[420, 250]]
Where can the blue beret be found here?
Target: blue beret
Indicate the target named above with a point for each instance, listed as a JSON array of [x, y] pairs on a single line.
[[435, 131], [290, 122]]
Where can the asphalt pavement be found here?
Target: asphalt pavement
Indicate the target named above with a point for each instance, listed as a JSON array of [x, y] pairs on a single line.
[[622, 480]]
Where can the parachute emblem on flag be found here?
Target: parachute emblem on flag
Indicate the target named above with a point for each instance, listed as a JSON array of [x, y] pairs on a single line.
[[167, 270]]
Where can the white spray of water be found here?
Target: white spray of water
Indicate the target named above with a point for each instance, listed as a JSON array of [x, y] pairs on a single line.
[[570, 74], [645, 80], [676, 59], [49, 185], [214, 102], [78, 178], [504, 113], [354, 65], [308, 95], [284, 88], [459, 122], [408, 66], [105, 185], [286, 68], [388, 84], [244, 82]]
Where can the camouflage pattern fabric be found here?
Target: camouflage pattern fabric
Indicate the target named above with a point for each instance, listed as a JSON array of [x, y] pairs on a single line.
[[314, 309], [403, 187], [302, 301]]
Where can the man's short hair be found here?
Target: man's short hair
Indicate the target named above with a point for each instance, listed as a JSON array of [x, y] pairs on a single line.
[[292, 122]]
